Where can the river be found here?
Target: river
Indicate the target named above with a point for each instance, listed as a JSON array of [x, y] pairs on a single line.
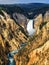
[[11, 54]]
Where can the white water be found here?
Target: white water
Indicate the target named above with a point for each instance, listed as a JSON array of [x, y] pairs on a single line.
[[30, 28]]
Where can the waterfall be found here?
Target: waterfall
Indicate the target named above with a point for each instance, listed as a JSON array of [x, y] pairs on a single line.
[[30, 28]]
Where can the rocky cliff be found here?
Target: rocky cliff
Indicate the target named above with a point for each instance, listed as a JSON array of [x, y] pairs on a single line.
[[36, 51], [11, 36]]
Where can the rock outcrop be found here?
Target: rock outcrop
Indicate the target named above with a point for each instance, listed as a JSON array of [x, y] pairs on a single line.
[[36, 51], [11, 36]]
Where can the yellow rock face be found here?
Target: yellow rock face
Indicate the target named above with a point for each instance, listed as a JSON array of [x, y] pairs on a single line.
[[11, 36], [38, 20], [37, 50], [11, 32], [40, 55]]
